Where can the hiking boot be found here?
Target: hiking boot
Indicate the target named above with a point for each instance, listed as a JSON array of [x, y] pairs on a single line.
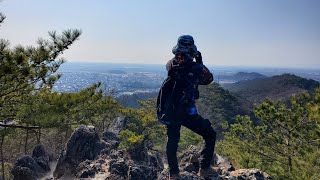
[[209, 172], [174, 176]]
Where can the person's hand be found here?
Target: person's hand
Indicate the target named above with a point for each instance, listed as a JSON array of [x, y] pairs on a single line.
[[199, 58]]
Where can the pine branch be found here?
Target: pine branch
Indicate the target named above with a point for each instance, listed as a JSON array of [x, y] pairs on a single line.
[[19, 126], [278, 122], [62, 42], [2, 17], [3, 45], [299, 123]]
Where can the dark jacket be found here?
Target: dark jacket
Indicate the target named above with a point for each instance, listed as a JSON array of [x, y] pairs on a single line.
[[188, 76]]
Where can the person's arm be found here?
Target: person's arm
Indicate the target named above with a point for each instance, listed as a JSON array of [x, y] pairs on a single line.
[[206, 76]]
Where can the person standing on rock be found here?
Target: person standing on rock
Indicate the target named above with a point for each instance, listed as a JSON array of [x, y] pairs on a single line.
[[185, 75]]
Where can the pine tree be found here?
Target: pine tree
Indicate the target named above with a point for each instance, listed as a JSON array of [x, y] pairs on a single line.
[[285, 143], [24, 71], [143, 131]]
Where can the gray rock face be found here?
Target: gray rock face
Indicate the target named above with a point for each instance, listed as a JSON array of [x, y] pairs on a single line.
[[142, 172], [122, 165], [41, 156], [40, 152], [254, 174], [84, 144], [35, 167], [119, 165], [241, 174], [85, 170], [189, 166], [189, 161], [26, 168], [183, 176], [224, 164], [111, 134]]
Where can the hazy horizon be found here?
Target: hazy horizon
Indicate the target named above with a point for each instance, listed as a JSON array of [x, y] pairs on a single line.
[[314, 67]]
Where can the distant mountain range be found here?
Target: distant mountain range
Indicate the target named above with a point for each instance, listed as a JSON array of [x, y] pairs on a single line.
[[240, 76], [278, 88]]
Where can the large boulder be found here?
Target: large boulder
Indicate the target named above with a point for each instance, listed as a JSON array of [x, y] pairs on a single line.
[[143, 172], [189, 160], [122, 165], [84, 144], [26, 168], [32, 167], [224, 164], [119, 164], [86, 169], [40, 155], [111, 134]]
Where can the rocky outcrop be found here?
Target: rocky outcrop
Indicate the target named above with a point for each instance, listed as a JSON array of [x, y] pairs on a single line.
[[41, 156], [126, 165], [241, 174], [26, 168], [86, 156], [189, 161], [84, 144], [189, 166], [255, 174], [120, 165], [111, 134], [32, 167]]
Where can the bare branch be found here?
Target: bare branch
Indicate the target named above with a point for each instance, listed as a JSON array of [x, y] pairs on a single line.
[[298, 124], [19, 126]]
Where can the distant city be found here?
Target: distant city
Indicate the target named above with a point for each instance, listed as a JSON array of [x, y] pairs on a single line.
[[119, 79]]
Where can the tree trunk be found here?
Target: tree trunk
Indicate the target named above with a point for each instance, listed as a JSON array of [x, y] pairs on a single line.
[[2, 159], [26, 142], [103, 125], [290, 164], [39, 136], [289, 151], [67, 134]]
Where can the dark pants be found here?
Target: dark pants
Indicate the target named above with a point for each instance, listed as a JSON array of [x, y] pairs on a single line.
[[198, 125]]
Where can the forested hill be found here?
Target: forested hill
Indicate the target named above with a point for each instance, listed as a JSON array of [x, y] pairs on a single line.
[[218, 105], [278, 88], [132, 100], [240, 76]]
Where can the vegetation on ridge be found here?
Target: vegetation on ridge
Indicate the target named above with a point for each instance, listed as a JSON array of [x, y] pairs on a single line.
[[280, 87], [285, 143]]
